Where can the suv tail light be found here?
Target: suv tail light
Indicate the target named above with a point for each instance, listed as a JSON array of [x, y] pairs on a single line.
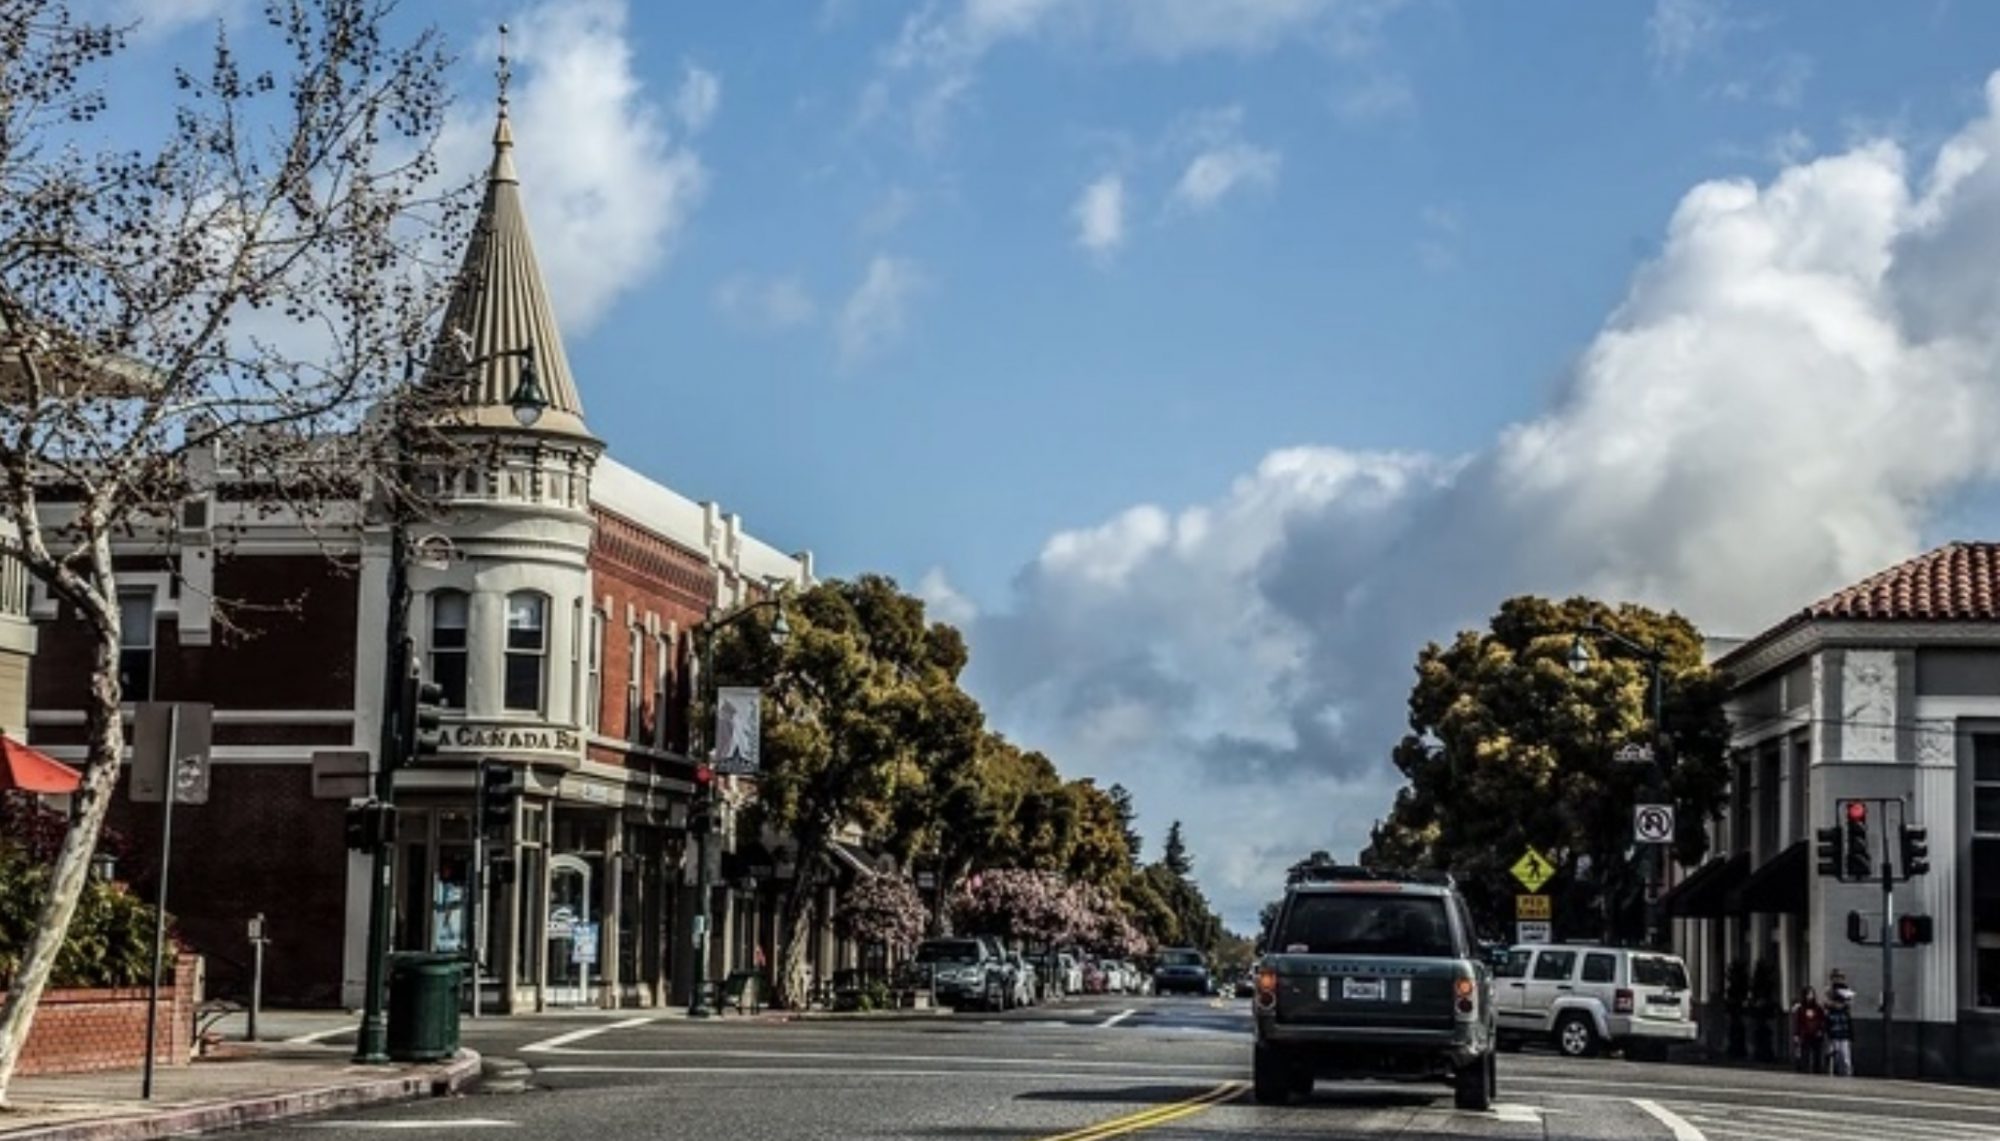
[[1465, 997], [1621, 1001], [1267, 987]]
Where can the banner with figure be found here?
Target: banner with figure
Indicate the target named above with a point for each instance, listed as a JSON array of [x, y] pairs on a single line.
[[736, 730]]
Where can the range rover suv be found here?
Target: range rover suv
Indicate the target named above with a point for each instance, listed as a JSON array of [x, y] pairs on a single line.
[[1373, 974]]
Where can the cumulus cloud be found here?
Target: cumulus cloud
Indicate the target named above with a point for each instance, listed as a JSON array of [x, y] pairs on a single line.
[[877, 312], [696, 102], [943, 602], [1100, 215], [607, 185], [1683, 29], [1211, 175], [766, 303], [1782, 402]]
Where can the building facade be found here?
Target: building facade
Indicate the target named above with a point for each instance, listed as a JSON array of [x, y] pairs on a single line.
[[1888, 689], [554, 599]]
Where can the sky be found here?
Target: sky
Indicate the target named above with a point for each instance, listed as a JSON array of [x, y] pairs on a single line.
[[1203, 359]]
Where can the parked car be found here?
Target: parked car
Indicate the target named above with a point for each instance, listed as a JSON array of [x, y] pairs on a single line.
[[966, 972], [1182, 970], [1372, 974], [1585, 998], [1071, 969]]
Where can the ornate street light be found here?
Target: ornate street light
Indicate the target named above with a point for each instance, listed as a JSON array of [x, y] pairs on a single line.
[[1579, 656], [528, 400]]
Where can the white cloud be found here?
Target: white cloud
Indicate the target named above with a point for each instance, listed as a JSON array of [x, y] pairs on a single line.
[[1783, 402], [767, 303], [608, 187], [932, 65], [1211, 175], [1378, 97], [157, 19], [943, 602], [877, 312], [1683, 29], [696, 102], [1100, 215]]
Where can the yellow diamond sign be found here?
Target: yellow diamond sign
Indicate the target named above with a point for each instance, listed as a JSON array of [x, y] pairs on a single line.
[[1533, 870]]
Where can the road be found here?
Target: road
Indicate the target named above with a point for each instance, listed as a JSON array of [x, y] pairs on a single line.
[[1160, 1069]]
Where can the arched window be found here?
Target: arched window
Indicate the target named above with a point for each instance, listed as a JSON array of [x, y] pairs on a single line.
[[448, 644], [527, 650]]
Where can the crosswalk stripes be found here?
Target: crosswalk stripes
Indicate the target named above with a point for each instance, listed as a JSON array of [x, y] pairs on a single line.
[[1732, 1122]]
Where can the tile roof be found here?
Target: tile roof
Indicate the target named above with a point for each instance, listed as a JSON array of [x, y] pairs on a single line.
[[1958, 582]]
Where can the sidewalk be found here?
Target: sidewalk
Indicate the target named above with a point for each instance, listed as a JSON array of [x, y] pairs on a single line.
[[239, 1084]]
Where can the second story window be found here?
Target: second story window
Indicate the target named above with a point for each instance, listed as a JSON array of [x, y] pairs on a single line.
[[448, 646], [662, 657], [634, 705], [135, 645], [593, 694], [527, 650]]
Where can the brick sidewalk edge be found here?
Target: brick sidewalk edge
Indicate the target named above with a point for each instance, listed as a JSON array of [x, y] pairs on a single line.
[[440, 1080]]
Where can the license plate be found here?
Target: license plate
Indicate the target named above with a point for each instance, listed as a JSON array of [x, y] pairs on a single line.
[[1362, 990]]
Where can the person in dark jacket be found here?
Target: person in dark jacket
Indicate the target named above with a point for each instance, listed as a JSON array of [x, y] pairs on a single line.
[[1840, 1028], [1809, 1033]]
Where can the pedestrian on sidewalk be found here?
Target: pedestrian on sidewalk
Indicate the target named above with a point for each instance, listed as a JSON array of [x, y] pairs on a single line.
[[1840, 1027], [1809, 1034]]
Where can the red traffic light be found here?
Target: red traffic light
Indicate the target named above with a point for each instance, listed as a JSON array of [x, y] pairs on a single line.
[[1857, 810], [704, 775]]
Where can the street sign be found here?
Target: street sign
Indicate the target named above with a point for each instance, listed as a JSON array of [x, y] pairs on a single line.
[[1653, 823], [1532, 931], [1636, 753], [1532, 907], [339, 774], [153, 724], [1533, 870]]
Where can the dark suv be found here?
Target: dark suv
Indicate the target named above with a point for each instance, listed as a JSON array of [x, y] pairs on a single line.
[[1373, 974], [1182, 969]]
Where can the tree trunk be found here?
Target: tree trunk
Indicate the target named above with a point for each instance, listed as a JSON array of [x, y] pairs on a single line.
[[72, 868], [794, 983]]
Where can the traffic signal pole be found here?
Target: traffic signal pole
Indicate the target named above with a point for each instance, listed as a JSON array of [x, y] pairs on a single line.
[[1888, 951]]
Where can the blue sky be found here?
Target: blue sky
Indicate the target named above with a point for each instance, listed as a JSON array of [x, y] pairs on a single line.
[[1205, 357]]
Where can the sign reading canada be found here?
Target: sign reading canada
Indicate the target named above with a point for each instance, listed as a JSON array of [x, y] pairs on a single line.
[[511, 738]]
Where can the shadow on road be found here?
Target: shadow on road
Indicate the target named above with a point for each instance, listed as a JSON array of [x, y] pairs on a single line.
[[1140, 1095]]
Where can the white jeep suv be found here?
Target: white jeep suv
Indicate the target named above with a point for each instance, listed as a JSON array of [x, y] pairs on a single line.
[[1584, 998]]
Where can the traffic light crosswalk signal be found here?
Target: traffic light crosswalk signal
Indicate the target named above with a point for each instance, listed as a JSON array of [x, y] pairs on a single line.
[[1830, 854], [1916, 845], [1856, 857], [422, 719], [497, 792]]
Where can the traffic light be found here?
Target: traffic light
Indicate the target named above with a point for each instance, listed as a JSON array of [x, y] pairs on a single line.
[[370, 826], [423, 718], [701, 815], [1857, 928], [1859, 864], [357, 828], [496, 797], [500, 870], [1830, 855], [1916, 844], [1912, 930]]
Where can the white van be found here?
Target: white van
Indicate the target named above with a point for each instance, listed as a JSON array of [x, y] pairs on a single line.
[[1584, 998]]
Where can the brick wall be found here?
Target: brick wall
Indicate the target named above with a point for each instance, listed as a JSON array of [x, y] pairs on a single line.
[[645, 574], [260, 844], [105, 1029]]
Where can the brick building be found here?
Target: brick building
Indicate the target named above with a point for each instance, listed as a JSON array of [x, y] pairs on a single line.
[[553, 597]]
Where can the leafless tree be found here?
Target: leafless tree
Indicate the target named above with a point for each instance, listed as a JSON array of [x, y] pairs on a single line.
[[248, 288]]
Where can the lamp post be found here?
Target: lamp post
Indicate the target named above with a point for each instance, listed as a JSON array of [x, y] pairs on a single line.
[[371, 1045], [781, 632], [1580, 659]]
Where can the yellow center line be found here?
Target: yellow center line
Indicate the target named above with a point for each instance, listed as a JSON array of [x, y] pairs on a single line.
[[1157, 1115]]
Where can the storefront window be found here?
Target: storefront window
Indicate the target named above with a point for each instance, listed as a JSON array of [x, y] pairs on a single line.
[[448, 645], [527, 650], [1986, 868]]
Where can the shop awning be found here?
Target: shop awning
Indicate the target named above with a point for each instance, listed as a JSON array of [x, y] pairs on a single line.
[[855, 858], [26, 769], [1780, 887], [1704, 895]]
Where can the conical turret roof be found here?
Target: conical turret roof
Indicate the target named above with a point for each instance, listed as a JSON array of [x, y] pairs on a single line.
[[502, 305]]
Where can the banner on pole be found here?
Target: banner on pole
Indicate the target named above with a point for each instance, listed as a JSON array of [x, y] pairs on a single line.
[[738, 731]]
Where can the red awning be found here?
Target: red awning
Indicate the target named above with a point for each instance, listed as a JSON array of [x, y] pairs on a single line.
[[31, 770]]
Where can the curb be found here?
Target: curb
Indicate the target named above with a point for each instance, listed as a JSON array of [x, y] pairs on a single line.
[[447, 1078]]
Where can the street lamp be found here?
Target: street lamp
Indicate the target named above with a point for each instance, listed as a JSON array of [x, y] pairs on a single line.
[[1580, 659], [371, 1046], [780, 633], [103, 867]]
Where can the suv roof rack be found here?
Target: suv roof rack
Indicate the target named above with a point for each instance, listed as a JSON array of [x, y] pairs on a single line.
[[1320, 868]]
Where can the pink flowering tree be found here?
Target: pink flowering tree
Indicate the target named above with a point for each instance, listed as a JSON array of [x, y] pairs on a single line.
[[1035, 907], [884, 909]]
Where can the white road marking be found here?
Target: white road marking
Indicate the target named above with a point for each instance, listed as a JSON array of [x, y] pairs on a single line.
[[1117, 1018], [555, 1044], [849, 1056], [1791, 1093], [1667, 1117], [318, 1036], [455, 1123], [1131, 1075], [1518, 1114], [459, 1123]]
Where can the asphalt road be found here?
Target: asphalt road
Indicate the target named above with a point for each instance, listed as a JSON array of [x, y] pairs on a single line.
[[1162, 1069]]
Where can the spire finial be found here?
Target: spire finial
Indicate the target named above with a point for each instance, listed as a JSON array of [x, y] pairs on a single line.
[[506, 72]]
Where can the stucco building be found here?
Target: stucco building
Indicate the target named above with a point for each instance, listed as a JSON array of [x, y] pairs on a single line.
[[1889, 688]]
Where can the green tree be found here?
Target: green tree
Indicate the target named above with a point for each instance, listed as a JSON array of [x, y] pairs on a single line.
[[1176, 856], [1508, 747], [1128, 820]]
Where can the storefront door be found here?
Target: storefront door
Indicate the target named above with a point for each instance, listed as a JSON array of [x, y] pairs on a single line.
[[573, 933]]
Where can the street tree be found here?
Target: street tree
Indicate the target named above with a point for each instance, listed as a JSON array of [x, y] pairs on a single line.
[[244, 289], [883, 909], [1510, 748], [1175, 856], [1128, 821]]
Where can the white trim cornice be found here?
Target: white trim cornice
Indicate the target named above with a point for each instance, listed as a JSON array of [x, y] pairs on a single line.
[[1821, 634]]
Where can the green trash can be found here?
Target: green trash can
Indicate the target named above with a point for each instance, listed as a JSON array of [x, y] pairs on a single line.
[[423, 1006]]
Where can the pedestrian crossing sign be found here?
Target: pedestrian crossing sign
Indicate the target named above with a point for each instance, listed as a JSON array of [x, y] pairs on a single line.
[[1533, 870]]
